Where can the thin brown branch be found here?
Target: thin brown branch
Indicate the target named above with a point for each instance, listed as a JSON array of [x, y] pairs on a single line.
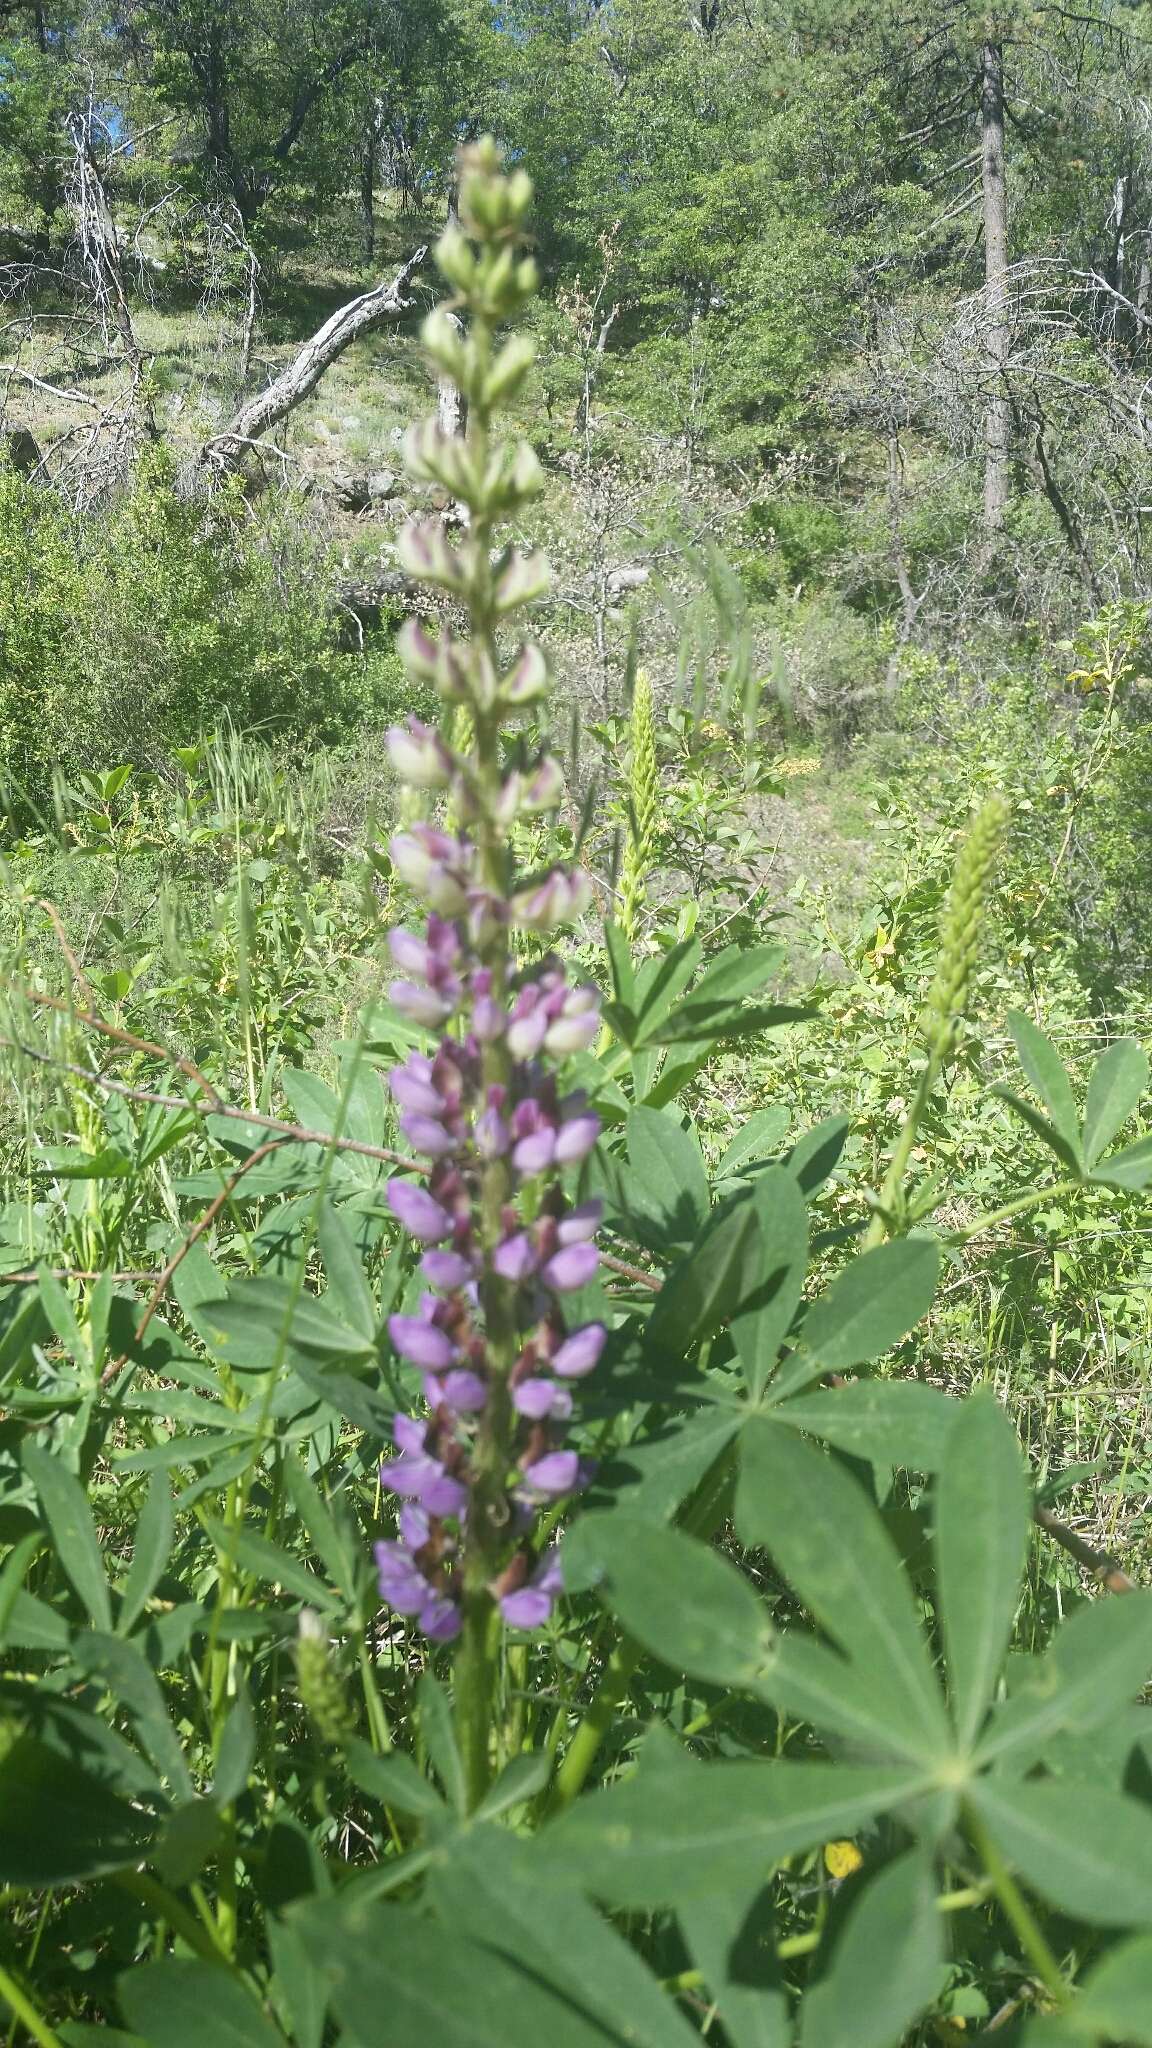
[[1104, 1568]]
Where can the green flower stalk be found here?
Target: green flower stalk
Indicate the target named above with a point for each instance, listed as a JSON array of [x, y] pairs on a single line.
[[643, 790], [947, 1003]]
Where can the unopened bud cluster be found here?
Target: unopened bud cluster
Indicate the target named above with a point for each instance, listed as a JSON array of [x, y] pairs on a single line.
[[485, 1108], [960, 927]]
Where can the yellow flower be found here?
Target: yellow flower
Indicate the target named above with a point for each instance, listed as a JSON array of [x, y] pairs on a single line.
[[841, 1859]]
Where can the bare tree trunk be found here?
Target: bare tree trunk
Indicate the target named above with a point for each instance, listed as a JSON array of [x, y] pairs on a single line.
[[99, 247], [451, 405], [369, 165], [225, 451], [998, 413]]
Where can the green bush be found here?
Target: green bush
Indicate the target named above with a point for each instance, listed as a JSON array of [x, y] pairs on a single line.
[[125, 637]]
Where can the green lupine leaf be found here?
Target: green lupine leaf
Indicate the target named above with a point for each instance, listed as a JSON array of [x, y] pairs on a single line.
[[763, 1322], [1130, 1169], [398, 1978], [668, 1175], [1068, 1155], [1085, 1849], [181, 2002], [872, 1304], [886, 1965], [1098, 1662], [708, 1285], [895, 1422], [681, 1600], [61, 1825], [151, 1552], [725, 1933], [983, 1517], [757, 1139], [1046, 1071], [349, 1296], [674, 1833], [790, 1498], [64, 1505], [1117, 1082], [1115, 1999], [489, 1888]]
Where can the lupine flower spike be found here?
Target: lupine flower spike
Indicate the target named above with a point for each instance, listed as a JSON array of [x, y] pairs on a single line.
[[503, 1247]]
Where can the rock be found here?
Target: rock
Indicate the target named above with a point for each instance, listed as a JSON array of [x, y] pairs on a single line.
[[617, 581], [20, 448], [382, 484]]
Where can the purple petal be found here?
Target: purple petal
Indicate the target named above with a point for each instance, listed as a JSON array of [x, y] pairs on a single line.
[[427, 1134], [408, 1434], [556, 1473], [536, 1153], [576, 1138], [419, 1005], [580, 1224], [412, 955], [415, 1528], [529, 1608], [534, 1397], [421, 1343], [446, 1269], [526, 1034], [571, 1268], [441, 1620], [515, 1259], [421, 1216], [580, 1353], [412, 1089], [465, 1391], [443, 1496]]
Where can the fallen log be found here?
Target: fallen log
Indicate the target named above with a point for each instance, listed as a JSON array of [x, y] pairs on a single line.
[[224, 452]]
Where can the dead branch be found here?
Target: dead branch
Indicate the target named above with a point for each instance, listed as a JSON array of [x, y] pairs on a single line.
[[224, 452]]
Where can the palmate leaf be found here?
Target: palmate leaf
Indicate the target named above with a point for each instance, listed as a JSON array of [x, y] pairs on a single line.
[[1115, 2000], [151, 1551], [677, 1831], [886, 1965], [1067, 1154], [487, 1886], [61, 1825], [708, 1285], [64, 1505], [895, 1422], [1117, 1082], [398, 1978], [1046, 1071], [763, 1322], [181, 2002], [728, 1936], [826, 1538], [1130, 1169], [677, 1597], [872, 1304], [668, 1183], [1096, 1664], [983, 1518], [1085, 1849]]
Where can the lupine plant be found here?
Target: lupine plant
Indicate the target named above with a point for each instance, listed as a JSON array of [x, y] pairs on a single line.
[[510, 1581]]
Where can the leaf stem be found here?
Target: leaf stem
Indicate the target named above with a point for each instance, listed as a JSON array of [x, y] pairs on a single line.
[[26, 2012], [1017, 1207], [1016, 1909]]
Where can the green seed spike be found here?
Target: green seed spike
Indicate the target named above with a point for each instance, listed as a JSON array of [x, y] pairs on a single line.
[[960, 928], [643, 789], [321, 1693]]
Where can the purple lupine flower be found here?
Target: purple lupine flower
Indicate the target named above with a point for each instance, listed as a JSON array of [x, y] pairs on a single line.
[[541, 1399], [419, 1212], [447, 1270], [571, 1268], [490, 1209], [421, 1343], [579, 1354], [530, 1605], [555, 1474]]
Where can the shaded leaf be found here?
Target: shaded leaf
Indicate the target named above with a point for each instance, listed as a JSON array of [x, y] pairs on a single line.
[[1117, 1082], [684, 1602], [181, 2002], [873, 1303], [886, 1965], [64, 1505], [983, 1517]]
